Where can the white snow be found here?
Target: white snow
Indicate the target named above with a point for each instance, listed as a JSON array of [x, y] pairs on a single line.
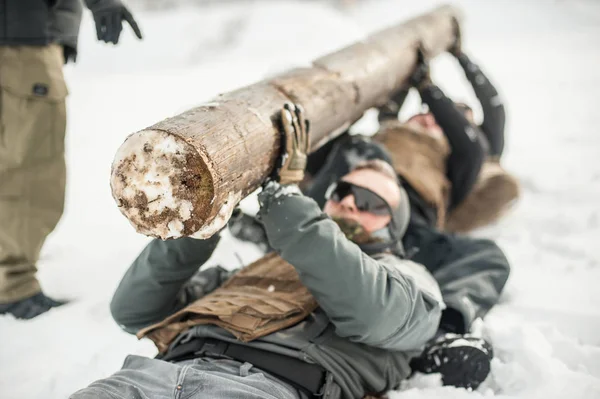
[[544, 57], [284, 190]]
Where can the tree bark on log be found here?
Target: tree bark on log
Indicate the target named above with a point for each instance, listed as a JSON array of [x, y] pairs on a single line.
[[184, 175]]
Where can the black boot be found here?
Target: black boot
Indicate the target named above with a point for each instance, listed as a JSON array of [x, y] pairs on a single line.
[[31, 307], [463, 360]]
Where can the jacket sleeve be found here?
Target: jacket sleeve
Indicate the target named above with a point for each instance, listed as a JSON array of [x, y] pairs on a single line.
[[367, 301], [64, 25], [494, 114], [159, 282], [466, 156]]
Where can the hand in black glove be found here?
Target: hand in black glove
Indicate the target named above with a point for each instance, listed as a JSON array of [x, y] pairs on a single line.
[[247, 228], [69, 54], [109, 16], [456, 47], [420, 76]]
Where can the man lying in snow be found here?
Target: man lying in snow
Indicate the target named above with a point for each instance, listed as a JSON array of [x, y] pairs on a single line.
[[467, 188], [438, 168], [449, 165], [324, 315]]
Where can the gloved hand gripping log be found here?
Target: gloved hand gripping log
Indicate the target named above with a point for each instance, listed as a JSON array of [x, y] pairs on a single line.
[[295, 145], [185, 175]]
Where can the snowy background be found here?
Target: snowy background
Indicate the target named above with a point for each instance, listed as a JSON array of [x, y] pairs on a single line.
[[543, 56]]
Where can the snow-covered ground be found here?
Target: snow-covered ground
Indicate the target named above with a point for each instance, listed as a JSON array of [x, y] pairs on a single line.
[[544, 57]]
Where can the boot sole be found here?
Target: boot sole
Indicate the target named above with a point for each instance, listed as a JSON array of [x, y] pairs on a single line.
[[462, 366]]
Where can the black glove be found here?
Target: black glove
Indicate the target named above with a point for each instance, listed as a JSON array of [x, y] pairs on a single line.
[[456, 48], [109, 16], [420, 76], [247, 228], [69, 54]]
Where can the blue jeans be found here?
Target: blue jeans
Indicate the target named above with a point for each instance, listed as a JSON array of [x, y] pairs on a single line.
[[144, 378]]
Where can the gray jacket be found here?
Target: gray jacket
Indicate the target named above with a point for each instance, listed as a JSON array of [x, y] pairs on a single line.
[[25, 22], [372, 318], [65, 22], [471, 272]]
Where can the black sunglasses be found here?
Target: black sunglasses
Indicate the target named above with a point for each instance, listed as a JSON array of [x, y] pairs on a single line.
[[365, 199]]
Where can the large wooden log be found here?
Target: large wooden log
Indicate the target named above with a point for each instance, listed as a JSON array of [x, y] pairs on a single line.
[[184, 176]]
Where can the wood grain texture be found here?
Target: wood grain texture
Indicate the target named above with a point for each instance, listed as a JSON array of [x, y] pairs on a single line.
[[235, 137]]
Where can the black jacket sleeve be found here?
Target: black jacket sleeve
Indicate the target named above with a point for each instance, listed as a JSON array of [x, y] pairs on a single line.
[[466, 157], [494, 116]]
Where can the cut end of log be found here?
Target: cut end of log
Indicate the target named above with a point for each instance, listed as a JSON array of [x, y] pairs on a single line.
[[162, 185], [221, 219]]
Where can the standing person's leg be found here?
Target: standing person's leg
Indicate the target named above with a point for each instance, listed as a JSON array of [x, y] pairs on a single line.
[[32, 168]]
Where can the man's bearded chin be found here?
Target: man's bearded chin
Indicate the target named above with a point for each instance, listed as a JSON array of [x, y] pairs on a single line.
[[355, 232]]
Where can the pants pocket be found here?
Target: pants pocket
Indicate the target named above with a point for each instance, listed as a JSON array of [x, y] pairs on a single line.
[[32, 105], [33, 130]]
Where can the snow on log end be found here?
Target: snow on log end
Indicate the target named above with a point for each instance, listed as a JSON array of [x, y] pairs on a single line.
[[161, 184]]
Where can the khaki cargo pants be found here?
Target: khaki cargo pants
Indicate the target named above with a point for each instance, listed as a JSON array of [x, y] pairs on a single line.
[[32, 164]]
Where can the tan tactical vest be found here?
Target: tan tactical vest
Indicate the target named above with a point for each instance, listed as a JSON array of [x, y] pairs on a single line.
[[420, 159], [262, 298]]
